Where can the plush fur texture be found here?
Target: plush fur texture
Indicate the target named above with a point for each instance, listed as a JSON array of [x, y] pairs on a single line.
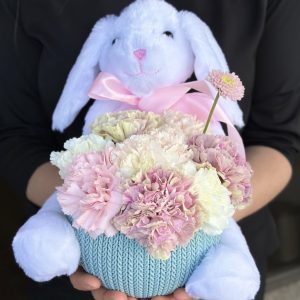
[[175, 44], [231, 257], [46, 246]]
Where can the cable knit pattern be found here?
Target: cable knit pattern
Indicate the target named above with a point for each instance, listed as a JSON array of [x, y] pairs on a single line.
[[123, 265]]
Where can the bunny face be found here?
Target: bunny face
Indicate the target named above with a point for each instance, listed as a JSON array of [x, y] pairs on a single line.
[[150, 45], [147, 48]]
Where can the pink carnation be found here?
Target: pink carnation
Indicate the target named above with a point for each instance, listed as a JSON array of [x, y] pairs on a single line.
[[222, 154], [88, 193], [160, 214], [228, 84]]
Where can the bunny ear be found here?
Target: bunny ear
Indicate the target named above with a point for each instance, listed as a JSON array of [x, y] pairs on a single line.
[[208, 56], [82, 75]]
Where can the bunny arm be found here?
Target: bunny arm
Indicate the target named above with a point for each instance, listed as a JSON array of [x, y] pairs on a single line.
[[46, 245], [227, 272]]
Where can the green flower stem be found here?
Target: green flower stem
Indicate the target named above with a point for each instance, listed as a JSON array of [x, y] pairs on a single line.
[[211, 112]]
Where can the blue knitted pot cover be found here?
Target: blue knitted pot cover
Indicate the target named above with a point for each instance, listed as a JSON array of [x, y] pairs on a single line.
[[123, 265]]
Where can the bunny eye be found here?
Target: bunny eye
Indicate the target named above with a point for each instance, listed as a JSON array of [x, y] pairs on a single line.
[[114, 41], [169, 34]]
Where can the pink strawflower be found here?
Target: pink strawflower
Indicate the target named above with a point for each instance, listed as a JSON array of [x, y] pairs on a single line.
[[228, 84], [222, 154], [88, 193], [160, 214]]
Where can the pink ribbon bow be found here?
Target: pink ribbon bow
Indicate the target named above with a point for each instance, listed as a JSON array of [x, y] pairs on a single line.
[[108, 87]]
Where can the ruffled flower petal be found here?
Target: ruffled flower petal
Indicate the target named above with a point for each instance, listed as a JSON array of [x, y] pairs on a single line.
[[222, 154], [160, 212], [121, 125], [89, 193], [228, 84], [74, 147], [140, 154], [214, 200]]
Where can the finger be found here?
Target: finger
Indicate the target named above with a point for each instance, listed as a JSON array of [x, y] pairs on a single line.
[[104, 294], [181, 294], [84, 282], [99, 294], [131, 298], [115, 295], [169, 297]]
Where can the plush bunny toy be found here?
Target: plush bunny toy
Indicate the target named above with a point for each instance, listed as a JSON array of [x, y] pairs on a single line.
[[149, 46]]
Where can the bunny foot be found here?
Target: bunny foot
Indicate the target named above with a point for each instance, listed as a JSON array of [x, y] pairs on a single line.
[[228, 271], [46, 246]]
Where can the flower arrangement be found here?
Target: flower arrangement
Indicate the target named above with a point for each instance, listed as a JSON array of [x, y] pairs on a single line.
[[156, 178], [149, 188]]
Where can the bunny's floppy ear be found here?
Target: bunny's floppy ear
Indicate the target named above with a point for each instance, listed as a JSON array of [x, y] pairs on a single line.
[[208, 56], [82, 75]]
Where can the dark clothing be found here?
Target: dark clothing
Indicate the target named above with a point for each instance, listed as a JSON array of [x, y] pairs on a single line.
[[40, 41]]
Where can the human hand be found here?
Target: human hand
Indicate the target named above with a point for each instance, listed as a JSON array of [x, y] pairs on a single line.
[[179, 294], [85, 282]]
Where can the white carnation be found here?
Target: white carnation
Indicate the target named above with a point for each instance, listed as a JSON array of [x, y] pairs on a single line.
[[75, 147], [214, 200], [142, 153]]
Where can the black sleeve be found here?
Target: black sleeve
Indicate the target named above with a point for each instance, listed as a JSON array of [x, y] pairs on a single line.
[[25, 133], [275, 113]]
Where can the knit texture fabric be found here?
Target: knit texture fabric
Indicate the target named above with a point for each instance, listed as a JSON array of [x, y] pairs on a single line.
[[124, 265]]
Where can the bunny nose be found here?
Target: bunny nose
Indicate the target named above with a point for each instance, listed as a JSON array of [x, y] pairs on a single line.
[[139, 53]]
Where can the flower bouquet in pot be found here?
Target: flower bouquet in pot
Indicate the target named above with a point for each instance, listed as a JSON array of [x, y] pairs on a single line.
[[151, 186]]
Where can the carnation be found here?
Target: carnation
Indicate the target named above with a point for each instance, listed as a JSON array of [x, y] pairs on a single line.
[[228, 84], [89, 193], [74, 147], [186, 124], [120, 125], [222, 154], [160, 212], [142, 153], [214, 199]]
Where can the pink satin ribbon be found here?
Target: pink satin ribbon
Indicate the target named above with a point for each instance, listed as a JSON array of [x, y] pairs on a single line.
[[175, 97]]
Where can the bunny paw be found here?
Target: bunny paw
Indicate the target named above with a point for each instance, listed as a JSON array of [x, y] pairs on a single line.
[[46, 246], [226, 274]]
